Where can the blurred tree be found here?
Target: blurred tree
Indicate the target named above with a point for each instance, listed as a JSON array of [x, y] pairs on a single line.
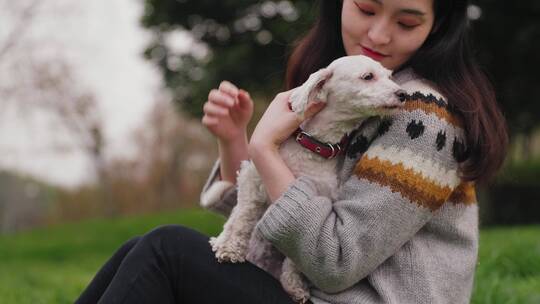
[[171, 160], [16, 17], [507, 34], [35, 77], [23, 202], [174, 156], [22, 13], [78, 113], [244, 41]]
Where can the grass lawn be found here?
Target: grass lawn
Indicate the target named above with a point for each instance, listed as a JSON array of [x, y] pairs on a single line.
[[54, 264]]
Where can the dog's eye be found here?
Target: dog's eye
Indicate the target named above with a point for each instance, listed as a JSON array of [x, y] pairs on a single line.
[[368, 76]]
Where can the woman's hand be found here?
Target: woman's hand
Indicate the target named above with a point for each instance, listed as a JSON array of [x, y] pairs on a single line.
[[227, 112], [226, 115], [278, 123]]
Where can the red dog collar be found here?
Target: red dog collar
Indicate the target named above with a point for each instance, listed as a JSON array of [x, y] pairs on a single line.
[[326, 150]]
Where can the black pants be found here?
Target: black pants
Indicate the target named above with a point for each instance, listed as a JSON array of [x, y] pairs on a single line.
[[175, 264]]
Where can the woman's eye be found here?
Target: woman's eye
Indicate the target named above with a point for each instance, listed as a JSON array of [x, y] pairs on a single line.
[[368, 76], [366, 12], [406, 26]]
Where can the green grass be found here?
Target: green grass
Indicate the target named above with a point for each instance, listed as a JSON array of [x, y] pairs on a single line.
[[53, 265], [509, 266]]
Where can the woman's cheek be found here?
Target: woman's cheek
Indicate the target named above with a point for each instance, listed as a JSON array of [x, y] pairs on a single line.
[[413, 42], [408, 48]]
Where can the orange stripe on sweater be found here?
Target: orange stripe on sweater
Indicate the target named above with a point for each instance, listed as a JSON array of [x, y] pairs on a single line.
[[465, 193], [409, 183], [441, 112]]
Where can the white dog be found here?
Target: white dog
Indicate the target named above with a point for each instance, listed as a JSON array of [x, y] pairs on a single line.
[[354, 88]]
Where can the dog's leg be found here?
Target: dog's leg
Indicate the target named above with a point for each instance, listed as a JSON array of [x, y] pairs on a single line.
[[232, 244], [292, 281]]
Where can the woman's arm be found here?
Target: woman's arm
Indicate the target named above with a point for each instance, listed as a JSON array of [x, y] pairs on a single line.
[[276, 125], [226, 115], [219, 193], [396, 187], [276, 176], [231, 154]]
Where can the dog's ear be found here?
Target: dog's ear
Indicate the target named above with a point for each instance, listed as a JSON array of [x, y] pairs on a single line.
[[312, 91]]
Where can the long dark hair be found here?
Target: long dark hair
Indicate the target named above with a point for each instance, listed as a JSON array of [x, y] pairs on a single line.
[[446, 59]]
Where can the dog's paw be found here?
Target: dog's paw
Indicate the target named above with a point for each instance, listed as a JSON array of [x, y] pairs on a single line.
[[213, 243], [227, 255], [227, 252], [300, 295], [293, 283]]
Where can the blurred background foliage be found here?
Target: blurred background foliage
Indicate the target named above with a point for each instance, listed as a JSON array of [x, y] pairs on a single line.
[[246, 42], [197, 44]]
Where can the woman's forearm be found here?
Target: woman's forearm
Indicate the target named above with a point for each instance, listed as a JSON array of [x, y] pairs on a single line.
[[230, 155], [275, 174]]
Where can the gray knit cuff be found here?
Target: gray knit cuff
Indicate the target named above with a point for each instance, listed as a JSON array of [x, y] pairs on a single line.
[[286, 214], [227, 199]]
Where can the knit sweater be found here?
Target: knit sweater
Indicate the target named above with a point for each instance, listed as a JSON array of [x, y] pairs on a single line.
[[404, 228]]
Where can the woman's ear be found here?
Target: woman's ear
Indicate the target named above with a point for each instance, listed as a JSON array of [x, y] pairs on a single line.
[[312, 91]]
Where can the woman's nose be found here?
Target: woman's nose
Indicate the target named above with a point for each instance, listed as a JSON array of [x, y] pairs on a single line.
[[379, 32]]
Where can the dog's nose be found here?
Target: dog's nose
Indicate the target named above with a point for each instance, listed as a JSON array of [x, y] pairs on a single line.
[[402, 95]]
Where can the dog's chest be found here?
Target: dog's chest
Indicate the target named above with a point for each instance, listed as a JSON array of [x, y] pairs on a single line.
[[304, 162]]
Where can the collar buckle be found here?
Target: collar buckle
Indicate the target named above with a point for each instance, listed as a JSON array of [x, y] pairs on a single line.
[[326, 150]]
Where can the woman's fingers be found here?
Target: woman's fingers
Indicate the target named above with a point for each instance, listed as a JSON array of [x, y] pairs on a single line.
[[229, 89], [283, 99], [209, 121], [244, 100], [215, 110], [220, 98], [313, 108], [236, 109]]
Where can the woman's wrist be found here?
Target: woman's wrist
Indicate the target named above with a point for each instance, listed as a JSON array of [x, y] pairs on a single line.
[[234, 141], [261, 150], [232, 153], [275, 174]]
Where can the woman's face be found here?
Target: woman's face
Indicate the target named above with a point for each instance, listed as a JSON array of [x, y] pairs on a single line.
[[389, 31]]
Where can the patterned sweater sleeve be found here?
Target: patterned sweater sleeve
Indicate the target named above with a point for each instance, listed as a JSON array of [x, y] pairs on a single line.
[[217, 195], [406, 174]]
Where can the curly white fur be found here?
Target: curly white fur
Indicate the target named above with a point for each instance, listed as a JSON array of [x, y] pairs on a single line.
[[351, 95]]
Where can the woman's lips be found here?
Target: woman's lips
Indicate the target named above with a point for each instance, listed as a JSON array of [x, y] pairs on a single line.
[[373, 54]]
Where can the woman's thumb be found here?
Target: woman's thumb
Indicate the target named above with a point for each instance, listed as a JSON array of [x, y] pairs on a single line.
[[244, 100], [313, 108]]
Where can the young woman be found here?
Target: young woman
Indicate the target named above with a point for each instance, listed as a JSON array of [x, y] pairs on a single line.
[[405, 227]]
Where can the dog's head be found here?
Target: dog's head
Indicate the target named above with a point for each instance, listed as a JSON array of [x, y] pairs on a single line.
[[351, 86]]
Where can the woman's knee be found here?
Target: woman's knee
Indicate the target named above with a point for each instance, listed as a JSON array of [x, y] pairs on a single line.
[[123, 250], [172, 234], [131, 242]]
